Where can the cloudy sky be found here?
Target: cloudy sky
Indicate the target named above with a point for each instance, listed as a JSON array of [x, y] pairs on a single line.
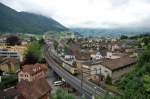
[[89, 13]]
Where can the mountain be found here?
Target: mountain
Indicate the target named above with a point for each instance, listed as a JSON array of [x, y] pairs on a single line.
[[13, 21], [110, 32]]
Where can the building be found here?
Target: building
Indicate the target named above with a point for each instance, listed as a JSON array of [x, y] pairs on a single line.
[[92, 69], [67, 35], [115, 47], [69, 57], [115, 68], [24, 43], [32, 83], [13, 51], [96, 56], [112, 55], [10, 54], [9, 65], [3, 41], [81, 57], [37, 89], [32, 72]]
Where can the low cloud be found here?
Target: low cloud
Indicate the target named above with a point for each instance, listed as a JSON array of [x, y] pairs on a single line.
[[89, 13]]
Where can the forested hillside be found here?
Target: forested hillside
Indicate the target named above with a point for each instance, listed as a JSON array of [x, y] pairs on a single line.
[[13, 21]]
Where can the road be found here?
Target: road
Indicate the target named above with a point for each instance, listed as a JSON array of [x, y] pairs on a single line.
[[51, 78], [88, 88]]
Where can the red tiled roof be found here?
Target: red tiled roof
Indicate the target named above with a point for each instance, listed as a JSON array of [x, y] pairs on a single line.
[[33, 69], [44, 67], [35, 89]]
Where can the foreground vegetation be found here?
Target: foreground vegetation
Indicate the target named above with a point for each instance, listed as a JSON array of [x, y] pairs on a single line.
[[136, 85], [8, 81], [61, 94]]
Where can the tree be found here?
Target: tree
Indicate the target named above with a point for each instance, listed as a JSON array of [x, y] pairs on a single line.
[[147, 82], [146, 40], [30, 58], [69, 41], [34, 54], [61, 94], [136, 85], [55, 44], [13, 40], [66, 49], [41, 41], [108, 80], [32, 38], [144, 58], [123, 37], [8, 81]]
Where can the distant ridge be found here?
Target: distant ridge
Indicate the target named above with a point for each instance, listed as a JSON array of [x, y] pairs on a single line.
[[24, 22], [110, 32]]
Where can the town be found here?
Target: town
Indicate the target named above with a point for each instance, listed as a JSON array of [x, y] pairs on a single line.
[[74, 49], [100, 62]]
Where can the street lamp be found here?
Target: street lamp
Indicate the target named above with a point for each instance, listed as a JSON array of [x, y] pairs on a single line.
[[81, 80], [95, 91], [94, 96]]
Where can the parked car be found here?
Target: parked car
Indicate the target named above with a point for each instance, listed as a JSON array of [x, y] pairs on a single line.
[[58, 83]]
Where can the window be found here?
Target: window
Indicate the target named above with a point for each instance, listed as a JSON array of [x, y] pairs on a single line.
[[21, 75]]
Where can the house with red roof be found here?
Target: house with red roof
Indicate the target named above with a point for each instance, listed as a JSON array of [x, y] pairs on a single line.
[[32, 83], [32, 72]]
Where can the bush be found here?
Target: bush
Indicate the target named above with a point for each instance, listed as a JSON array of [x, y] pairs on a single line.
[[123, 37], [61, 94], [8, 81], [108, 80], [13, 40], [55, 44], [136, 85], [147, 83], [144, 58]]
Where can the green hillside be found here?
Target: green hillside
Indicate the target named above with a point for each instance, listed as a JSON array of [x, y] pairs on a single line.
[[13, 21]]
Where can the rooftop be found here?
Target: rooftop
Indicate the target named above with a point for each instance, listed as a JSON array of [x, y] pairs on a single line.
[[82, 56], [112, 64], [115, 64], [35, 89], [33, 68], [94, 62]]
